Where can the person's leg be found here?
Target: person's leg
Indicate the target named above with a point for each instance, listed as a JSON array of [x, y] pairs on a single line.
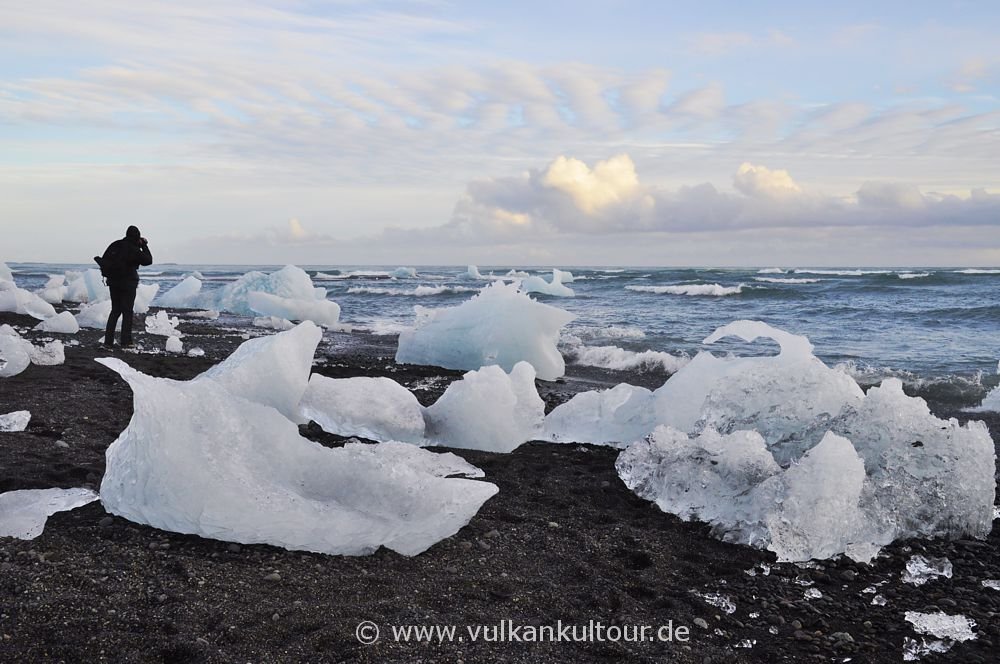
[[116, 312], [128, 305]]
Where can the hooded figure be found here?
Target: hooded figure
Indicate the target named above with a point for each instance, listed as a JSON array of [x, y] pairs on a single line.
[[120, 266]]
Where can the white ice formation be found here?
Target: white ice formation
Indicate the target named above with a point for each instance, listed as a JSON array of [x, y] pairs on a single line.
[[55, 289], [205, 457], [21, 301], [616, 416], [784, 452], [287, 293], [182, 296], [318, 309], [374, 408], [23, 513], [273, 323], [95, 315], [16, 421], [174, 345], [919, 570], [14, 354], [49, 354], [488, 410], [500, 325], [555, 287], [61, 323], [163, 325]]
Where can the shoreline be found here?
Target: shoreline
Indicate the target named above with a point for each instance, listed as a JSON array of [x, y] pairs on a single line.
[[99, 588]]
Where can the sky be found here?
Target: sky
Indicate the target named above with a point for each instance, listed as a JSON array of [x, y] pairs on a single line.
[[557, 133]]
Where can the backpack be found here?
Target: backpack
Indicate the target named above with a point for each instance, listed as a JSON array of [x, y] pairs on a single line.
[[113, 263]]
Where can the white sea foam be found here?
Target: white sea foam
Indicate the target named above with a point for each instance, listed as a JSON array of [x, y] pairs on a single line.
[[606, 332], [419, 291], [978, 271], [844, 273], [790, 280], [620, 359], [771, 270], [715, 290], [913, 275]]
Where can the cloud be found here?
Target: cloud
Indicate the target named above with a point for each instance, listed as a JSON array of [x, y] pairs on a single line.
[[569, 197], [762, 181]]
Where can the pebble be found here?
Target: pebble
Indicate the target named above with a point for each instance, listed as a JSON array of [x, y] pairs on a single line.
[[465, 545], [234, 547], [801, 636], [492, 534], [700, 622], [553, 524], [273, 576], [106, 522], [485, 546], [848, 575]]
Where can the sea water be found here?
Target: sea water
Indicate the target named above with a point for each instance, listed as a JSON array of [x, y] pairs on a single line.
[[936, 328]]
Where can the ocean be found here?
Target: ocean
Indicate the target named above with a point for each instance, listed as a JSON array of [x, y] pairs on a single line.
[[936, 328]]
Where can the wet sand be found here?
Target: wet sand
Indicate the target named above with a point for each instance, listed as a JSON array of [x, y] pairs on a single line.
[[564, 540]]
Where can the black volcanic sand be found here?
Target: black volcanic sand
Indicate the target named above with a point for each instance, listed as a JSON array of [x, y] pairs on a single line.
[[563, 540]]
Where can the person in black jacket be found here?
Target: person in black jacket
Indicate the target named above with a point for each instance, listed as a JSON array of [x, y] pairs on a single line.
[[120, 265]]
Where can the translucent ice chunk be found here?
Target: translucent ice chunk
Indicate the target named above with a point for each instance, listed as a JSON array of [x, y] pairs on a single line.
[[374, 408], [49, 354], [273, 323], [183, 295], [163, 325], [619, 415], [273, 371], [199, 459], [95, 315], [18, 300], [535, 284], [321, 312], [16, 421], [919, 570], [23, 513], [61, 323], [499, 326], [942, 625], [488, 410], [174, 345], [14, 355]]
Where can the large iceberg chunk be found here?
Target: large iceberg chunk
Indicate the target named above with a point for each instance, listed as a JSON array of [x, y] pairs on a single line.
[[273, 370], [787, 398], [500, 325], [198, 459], [856, 471], [183, 295], [95, 315], [18, 300], [61, 323], [488, 410], [322, 312], [620, 415], [289, 282], [374, 408], [23, 513]]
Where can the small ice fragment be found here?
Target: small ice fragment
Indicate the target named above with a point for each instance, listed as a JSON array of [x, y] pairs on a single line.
[[23, 513], [813, 593], [879, 600], [992, 584], [718, 601], [920, 570], [18, 421], [869, 590], [803, 581], [772, 630], [747, 643], [174, 345], [942, 625], [914, 650], [163, 325], [61, 323], [196, 352], [755, 614]]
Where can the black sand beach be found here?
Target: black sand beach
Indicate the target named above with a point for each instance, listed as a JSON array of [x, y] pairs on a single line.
[[564, 540]]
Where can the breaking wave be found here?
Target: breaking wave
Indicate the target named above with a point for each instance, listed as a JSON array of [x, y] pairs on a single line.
[[715, 290]]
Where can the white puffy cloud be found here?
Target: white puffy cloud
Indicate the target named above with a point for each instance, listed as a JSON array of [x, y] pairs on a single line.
[[762, 181]]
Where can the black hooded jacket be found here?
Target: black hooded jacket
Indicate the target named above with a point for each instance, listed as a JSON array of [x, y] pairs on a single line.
[[135, 253]]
